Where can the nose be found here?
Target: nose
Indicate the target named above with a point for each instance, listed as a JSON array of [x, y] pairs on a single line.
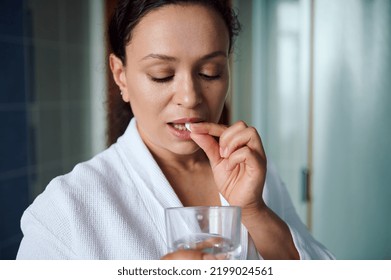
[[188, 92]]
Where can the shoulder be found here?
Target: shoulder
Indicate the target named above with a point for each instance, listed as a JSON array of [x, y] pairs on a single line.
[[89, 184], [101, 171], [102, 168], [77, 205]]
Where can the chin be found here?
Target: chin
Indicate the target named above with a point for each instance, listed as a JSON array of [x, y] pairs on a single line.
[[186, 149]]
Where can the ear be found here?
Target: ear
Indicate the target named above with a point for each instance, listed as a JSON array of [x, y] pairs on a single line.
[[118, 70]]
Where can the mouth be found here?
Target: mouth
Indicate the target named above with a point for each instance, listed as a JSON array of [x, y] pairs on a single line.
[[178, 127]]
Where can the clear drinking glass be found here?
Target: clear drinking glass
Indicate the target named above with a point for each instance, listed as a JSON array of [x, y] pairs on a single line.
[[212, 229]]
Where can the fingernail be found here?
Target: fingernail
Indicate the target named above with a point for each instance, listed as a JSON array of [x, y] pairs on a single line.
[[225, 152]]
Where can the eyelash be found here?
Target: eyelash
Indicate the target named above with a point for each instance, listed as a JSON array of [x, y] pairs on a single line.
[[210, 78], [162, 80], [169, 78]]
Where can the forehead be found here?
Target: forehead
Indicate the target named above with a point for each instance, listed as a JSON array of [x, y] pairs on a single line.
[[180, 29]]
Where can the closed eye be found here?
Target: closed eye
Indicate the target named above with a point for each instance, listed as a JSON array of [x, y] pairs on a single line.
[[209, 78], [162, 80]]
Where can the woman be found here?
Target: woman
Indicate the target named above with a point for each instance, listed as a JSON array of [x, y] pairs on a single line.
[[170, 61]]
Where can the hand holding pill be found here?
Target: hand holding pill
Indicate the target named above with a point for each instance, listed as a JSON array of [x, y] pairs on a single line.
[[237, 159]]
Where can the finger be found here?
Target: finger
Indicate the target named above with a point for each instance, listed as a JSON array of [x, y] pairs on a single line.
[[188, 255], [209, 145], [210, 243], [238, 136], [213, 129], [247, 156]]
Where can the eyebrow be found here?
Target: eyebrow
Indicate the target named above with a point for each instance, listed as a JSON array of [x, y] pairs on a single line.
[[159, 56], [171, 58]]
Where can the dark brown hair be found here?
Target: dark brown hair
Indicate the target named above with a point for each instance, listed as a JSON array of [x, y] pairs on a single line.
[[126, 16]]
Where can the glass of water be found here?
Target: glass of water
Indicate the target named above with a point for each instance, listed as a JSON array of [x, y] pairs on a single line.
[[212, 229]]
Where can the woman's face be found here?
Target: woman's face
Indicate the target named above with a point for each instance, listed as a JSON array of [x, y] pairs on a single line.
[[176, 71]]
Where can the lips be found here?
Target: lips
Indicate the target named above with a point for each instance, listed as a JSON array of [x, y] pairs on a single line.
[[187, 120], [177, 127]]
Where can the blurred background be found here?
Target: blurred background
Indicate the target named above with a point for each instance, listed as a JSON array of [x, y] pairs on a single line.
[[313, 76]]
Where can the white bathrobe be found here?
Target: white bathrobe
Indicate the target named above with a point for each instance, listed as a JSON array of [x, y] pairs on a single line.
[[112, 207]]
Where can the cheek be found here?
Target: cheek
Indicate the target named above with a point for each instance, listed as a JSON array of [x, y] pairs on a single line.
[[216, 101], [144, 96]]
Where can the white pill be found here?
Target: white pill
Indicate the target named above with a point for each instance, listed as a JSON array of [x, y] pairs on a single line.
[[187, 125]]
